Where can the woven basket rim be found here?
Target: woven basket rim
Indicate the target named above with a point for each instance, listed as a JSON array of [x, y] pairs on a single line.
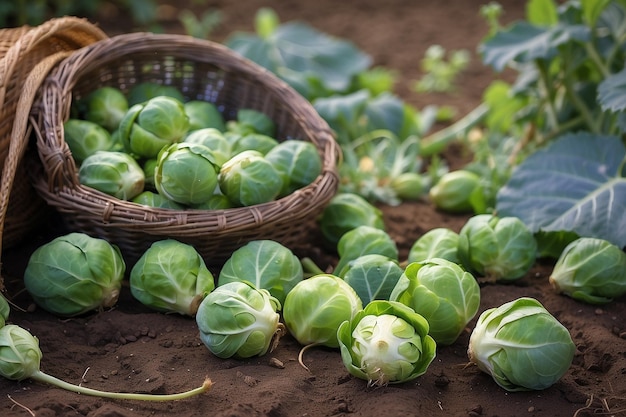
[[62, 188]]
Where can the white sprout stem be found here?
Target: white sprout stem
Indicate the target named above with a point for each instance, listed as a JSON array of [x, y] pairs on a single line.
[[49, 379]]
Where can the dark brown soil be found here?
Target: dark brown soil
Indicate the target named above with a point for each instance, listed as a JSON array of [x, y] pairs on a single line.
[[133, 349]]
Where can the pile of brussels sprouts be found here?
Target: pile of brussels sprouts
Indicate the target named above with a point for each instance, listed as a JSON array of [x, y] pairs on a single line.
[[153, 147], [386, 316]]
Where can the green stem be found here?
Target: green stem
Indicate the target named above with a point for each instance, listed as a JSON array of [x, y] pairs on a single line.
[[546, 84], [438, 141], [49, 379], [310, 267]]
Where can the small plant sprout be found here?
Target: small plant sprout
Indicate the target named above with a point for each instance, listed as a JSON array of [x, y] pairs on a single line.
[[20, 358]]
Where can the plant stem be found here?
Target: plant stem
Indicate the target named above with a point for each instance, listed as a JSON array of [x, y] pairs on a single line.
[[49, 379], [437, 142], [310, 267]]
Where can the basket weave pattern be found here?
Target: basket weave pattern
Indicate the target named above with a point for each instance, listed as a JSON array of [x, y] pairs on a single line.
[[26, 55], [201, 70]]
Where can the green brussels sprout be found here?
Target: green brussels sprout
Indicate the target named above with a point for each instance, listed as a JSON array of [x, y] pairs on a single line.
[[214, 140], [142, 92], [298, 161], [215, 202], [85, 138], [443, 293], [364, 240], [74, 274], [5, 310], [149, 166], [253, 142], [347, 211], [592, 270], [436, 243], [152, 199], [20, 358], [372, 276], [114, 173], [105, 106], [148, 127], [386, 343], [408, 186], [248, 179], [186, 173], [171, 277], [453, 191], [521, 345], [316, 306], [238, 320], [251, 121], [266, 264], [204, 114], [500, 249], [20, 355]]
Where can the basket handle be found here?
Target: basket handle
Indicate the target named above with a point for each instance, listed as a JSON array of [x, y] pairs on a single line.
[[20, 134]]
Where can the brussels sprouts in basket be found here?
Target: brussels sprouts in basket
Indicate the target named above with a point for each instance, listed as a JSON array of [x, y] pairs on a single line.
[[115, 173]]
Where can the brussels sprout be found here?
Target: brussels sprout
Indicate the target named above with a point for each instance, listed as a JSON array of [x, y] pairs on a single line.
[[171, 277], [105, 106], [386, 343], [20, 358], [436, 243], [315, 307], [85, 138], [186, 173], [203, 114], [372, 276], [251, 121], [238, 320], [592, 270], [149, 166], [215, 202], [521, 345], [408, 186], [364, 240], [248, 179], [5, 310], [443, 293], [498, 248], [115, 173], [152, 199], [254, 142], [299, 162], [142, 92], [266, 264], [74, 274], [453, 191], [148, 127], [347, 211], [214, 140]]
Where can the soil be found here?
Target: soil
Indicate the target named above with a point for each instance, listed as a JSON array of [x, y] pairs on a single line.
[[133, 349]]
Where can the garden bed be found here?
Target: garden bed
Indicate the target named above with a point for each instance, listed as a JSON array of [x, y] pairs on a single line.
[[131, 348]]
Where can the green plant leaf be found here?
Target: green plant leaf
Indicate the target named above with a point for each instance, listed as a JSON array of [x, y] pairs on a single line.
[[523, 42], [612, 92], [542, 12], [574, 185], [299, 49], [592, 9]]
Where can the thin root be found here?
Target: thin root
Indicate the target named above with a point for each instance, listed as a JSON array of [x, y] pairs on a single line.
[[31, 412]]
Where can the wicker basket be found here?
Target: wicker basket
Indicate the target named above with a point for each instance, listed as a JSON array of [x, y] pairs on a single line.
[[26, 55], [201, 70]]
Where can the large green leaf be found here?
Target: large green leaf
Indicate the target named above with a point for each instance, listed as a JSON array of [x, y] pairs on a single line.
[[302, 54], [575, 185], [523, 42], [612, 92]]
